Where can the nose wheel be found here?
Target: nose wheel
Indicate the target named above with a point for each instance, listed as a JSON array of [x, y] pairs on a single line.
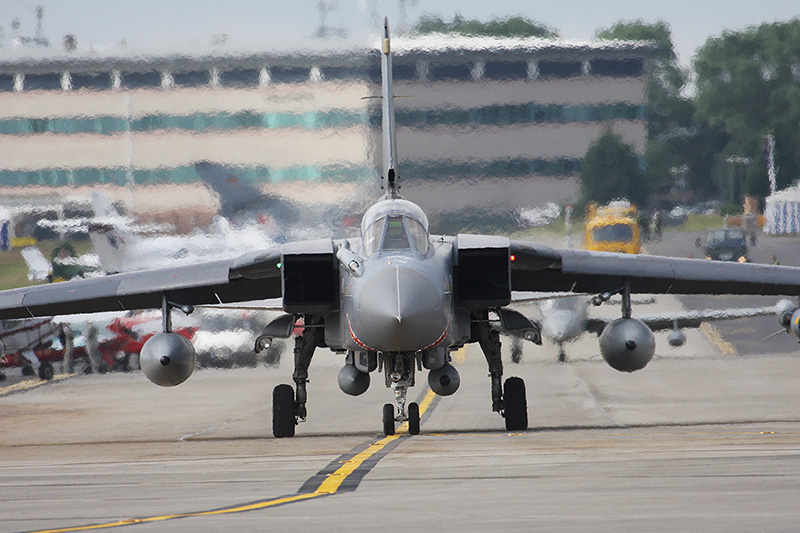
[[390, 418]]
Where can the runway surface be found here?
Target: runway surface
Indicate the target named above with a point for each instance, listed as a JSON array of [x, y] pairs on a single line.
[[697, 441]]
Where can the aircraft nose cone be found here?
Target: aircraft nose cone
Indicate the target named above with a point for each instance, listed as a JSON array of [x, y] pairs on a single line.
[[398, 310]]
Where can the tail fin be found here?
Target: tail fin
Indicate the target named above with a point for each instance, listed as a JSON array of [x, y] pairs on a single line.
[[387, 96], [108, 236]]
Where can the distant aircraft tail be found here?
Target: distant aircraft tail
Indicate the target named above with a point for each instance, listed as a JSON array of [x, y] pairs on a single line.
[[110, 241], [387, 97], [39, 268]]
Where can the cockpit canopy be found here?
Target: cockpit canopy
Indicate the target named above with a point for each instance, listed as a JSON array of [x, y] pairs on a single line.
[[395, 225]]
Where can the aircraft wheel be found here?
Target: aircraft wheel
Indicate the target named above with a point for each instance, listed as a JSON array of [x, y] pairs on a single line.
[[388, 419], [46, 371], [283, 419], [2, 377], [27, 370], [413, 419], [516, 404], [562, 356]]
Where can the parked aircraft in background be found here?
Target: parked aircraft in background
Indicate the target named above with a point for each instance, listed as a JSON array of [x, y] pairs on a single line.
[[27, 343], [566, 318], [398, 299]]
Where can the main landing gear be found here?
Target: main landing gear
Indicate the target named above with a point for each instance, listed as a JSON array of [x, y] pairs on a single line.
[[288, 404], [509, 398]]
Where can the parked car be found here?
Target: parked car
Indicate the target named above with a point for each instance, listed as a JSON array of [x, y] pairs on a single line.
[[725, 245]]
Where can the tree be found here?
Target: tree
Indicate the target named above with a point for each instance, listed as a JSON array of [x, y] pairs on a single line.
[[611, 171], [747, 85], [498, 27], [675, 138]]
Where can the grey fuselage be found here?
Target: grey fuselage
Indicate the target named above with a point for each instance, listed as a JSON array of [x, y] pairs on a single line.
[[401, 300]]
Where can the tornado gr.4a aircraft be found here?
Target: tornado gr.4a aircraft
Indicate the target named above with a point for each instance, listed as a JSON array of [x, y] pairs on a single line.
[[398, 299]]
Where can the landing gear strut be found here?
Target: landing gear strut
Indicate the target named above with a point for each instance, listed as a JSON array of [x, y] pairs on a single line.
[[289, 405], [399, 371], [512, 405], [562, 354]]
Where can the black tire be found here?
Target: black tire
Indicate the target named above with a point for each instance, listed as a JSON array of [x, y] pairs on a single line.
[[388, 419], [283, 419], [27, 370], [516, 405], [2, 377], [46, 371], [413, 419]]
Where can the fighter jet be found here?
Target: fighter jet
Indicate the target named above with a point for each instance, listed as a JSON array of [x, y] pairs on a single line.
[[566, 318], [398, 299]]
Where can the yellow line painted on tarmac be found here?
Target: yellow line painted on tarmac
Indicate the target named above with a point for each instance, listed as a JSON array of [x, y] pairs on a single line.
[[716, 339], [329, 486], [335, 480], [31, 384], [238, 509]]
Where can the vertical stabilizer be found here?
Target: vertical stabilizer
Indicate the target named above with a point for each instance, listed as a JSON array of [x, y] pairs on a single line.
[[387, 97]]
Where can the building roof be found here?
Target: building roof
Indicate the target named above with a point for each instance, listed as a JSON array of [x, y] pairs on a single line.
[[312, 51]]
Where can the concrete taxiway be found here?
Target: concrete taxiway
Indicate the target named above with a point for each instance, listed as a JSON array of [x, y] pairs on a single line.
[[702, 441]]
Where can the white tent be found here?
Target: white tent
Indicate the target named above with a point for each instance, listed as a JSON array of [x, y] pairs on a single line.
[[783, 211]]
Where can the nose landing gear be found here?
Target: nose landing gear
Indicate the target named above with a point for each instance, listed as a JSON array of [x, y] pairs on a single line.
[[399, 370]]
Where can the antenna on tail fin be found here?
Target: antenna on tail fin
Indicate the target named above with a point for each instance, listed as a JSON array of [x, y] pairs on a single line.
[[387, 97]]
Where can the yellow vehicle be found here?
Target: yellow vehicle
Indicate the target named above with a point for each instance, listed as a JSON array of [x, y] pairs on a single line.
[[612, 228]]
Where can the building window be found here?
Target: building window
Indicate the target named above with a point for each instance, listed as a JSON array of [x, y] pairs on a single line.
[[240, 77], [616, 68], [90, 80], [401, 71], [6, 82], [451, 72], [42, 82], [288, 74], [505, 70], [194, 78], [344, 73], [141, 80], [560, 69]]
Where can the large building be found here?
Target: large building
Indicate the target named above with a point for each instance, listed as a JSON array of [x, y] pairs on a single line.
[[486, 126]]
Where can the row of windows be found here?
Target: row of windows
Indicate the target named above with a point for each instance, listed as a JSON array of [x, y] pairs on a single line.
[[503, 168], [431, 170], [529, 113], [58, 177], [253, 77], [487, 115]]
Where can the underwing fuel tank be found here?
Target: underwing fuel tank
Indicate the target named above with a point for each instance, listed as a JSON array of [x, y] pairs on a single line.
[[398, 309], [627, 344], [167, 359], [444, 381], [352, 381]]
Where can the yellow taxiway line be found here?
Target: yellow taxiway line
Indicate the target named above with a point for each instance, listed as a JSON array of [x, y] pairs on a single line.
[[330, 486], [31, 384], [716, 339]]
